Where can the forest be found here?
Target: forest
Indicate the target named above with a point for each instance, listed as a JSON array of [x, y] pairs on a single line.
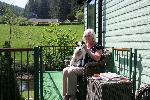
[[47, 9], [60, 9], [18, 11]]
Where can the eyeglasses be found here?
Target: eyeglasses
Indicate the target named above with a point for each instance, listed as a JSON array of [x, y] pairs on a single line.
[[87, 35]]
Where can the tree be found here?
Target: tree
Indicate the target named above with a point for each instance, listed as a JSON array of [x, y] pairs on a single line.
[[71, 17], [44, 8], [15, 9], [79, 15], [8, 17], [54, 8], [60, 9], [30, 9]]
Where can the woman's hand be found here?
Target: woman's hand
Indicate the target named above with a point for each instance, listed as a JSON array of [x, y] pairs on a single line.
[[96, 56]]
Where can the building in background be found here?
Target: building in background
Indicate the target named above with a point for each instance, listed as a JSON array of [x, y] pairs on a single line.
[[36, 21]]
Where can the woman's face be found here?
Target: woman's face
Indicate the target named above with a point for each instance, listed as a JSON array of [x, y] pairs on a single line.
[[88, 38]]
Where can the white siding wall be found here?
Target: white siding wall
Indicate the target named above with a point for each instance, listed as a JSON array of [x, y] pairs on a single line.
[[127, 25]]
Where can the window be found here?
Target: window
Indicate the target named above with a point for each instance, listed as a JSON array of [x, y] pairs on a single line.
[[91, 15]]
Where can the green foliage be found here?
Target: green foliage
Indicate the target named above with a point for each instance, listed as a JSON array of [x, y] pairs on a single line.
[[71, 17], [62, 37], [18, 11], [7, 16], [79, 15], [25, 94], [21, 21], [54, 60], [31, 36], [1, 20]]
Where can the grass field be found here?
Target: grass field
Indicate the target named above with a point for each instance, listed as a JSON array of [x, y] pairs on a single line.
[[30, 36]]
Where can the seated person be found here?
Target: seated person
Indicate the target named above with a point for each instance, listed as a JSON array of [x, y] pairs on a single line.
[[93, 53]]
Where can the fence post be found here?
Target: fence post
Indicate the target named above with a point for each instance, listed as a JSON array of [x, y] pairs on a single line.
[[41, 73], [36, 73]]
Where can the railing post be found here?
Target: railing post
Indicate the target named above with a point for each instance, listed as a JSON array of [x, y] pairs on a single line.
[[130, 65], [113, 59], [134, 72], [1, 90], [41, 74], [36, 73]]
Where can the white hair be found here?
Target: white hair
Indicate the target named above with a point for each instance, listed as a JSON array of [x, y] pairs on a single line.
[[91, 32]]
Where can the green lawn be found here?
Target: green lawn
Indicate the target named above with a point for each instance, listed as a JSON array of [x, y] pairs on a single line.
[[25, 94], [31, 36]]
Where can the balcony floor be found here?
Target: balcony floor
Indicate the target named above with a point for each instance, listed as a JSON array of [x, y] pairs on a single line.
[[52, 85]]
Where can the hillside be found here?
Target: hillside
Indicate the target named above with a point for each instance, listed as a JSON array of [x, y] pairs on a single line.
[[18, 11], [48, 9]]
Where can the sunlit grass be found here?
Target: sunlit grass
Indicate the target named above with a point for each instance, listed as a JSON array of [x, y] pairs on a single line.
[[31, 36], [25, 94]]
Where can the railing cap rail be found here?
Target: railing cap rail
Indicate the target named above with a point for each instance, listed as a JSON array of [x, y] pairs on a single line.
[[122, 49], [16, 49], [56, 46]]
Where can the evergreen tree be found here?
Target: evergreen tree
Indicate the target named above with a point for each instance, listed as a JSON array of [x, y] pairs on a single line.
[[44, 9], [61, 9]]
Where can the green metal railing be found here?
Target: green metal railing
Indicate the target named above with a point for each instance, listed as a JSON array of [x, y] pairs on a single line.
[[16, 73], [30, 64], [125, 63]]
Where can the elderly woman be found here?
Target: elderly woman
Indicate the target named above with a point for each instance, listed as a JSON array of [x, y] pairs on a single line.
[[93, 54]]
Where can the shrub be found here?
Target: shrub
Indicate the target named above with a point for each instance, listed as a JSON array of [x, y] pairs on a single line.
[[64, 39]]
